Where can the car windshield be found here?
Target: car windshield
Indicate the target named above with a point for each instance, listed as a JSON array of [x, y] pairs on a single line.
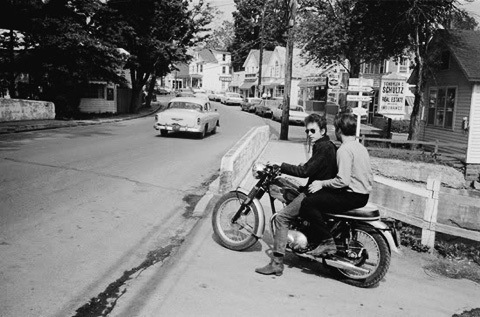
[[299, 109], [233, 95], [185, 105], [273, 103], [255, 101]]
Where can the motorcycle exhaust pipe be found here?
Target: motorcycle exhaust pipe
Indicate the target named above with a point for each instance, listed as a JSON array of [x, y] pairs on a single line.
[[346, 266]]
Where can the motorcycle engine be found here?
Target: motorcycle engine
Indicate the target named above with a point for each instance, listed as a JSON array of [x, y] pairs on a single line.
[[297, 241]]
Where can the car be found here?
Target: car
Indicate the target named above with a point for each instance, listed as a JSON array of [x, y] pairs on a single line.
[[232, 98], [201, 96], [212, 96], [219, 95], [184, 92], [163, 90], [249, 104], [187, 114], [295, 115], [265, 108]]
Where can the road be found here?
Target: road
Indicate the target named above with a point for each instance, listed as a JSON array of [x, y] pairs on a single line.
[[82, 209]]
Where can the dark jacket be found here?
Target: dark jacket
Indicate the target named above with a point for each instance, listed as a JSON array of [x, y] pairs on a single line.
[[321, 166]]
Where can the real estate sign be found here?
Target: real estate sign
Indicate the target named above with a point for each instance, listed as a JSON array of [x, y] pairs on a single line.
[[392, 96]]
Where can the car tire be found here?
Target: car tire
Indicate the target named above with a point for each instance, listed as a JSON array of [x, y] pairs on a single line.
[[203, 134], [214, 129], [163, 132]]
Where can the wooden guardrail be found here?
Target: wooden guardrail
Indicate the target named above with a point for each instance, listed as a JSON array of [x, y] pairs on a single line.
[[420, 207], [435, 144]]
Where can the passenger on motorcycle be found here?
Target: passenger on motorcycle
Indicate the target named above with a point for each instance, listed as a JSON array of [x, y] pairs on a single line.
[[321, 166], [349, 189]]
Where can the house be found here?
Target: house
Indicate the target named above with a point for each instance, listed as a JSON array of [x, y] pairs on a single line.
[[237, 79], [273, 73], [209, 69], [452, 97]]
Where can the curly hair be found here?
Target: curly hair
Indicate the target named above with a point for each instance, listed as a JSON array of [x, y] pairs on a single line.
[[319, 119], [346, 123]]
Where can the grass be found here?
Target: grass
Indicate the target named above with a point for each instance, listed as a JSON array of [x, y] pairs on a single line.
[[454, 257]]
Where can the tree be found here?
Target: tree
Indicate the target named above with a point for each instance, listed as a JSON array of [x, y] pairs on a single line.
[[360, 31], [222, 37], [60, 47], [157, 34], [248, 28]]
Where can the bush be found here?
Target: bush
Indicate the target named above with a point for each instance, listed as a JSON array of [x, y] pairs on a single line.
[[398, 126]]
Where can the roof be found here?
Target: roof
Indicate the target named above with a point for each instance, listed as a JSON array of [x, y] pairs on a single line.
[[199, 101], [207, 56], [465, 47], [256, 54]]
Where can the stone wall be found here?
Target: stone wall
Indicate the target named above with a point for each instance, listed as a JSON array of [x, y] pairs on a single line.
[[21, 109], [472, 172], [236, 163]]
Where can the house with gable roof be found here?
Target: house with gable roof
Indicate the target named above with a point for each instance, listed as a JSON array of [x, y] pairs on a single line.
[[452, 98]]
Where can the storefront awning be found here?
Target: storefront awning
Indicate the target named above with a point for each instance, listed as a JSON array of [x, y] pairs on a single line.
[[248, 84]]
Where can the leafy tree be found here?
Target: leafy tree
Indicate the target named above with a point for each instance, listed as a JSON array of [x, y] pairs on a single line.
[[157, 34], [248, 27], [357, 30], [222, 37]]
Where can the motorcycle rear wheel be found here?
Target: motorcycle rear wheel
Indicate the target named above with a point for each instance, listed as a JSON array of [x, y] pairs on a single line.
[[376, 256], [238, 236]]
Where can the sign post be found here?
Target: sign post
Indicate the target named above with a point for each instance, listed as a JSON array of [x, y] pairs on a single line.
[[360, 85]]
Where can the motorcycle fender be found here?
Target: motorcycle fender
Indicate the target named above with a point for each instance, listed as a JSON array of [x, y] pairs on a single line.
[[261, 213], [384, 230]]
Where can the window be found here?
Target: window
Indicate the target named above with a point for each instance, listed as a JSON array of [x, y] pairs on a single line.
[[201, 68], [224, 57], [223, 70], [277, 69], [223, 85], [403, 64], [96, 91], [279, 91], [441, 105]]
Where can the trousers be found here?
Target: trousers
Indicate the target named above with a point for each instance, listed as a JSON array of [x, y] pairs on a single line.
[[328, 200]]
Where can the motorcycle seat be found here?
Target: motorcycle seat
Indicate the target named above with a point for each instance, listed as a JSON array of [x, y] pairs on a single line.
[[369, 212]]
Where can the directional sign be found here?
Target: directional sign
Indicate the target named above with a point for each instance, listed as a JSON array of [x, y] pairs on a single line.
[[360, 82], [359, 111], [360, 88], [358, 98]]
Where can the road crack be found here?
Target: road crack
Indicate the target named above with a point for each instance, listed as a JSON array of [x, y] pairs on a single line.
[[67, 168]]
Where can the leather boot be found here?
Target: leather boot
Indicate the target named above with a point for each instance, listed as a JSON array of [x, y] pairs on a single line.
[[274, 267], [324, 248]]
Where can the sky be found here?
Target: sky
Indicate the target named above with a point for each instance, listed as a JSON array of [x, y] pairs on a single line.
[[228, 6]]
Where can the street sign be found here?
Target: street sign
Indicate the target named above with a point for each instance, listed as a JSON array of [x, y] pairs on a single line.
[[360, 82], [360, 88], [392, 96], [359, 111], [358, 98]]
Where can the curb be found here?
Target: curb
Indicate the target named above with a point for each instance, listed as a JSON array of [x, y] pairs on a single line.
[[78, 123]]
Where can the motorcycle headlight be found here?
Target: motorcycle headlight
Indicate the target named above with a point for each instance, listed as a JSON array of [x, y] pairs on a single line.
[[257, 169]]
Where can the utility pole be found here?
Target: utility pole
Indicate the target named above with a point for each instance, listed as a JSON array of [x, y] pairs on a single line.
[[260, 62], [288, 71]]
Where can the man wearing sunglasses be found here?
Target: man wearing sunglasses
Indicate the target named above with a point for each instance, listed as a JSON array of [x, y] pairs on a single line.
[[349, 189], [321, 166]]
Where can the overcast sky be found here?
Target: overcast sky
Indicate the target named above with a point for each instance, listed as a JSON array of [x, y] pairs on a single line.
[[228, 6]]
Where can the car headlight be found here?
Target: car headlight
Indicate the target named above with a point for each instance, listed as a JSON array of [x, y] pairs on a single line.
[[257, 169]]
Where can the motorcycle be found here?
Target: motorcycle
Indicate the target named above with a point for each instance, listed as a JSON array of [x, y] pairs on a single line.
[[364, 240]]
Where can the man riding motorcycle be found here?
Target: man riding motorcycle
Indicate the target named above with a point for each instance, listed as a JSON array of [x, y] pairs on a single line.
[[348, 190], [321, 166]]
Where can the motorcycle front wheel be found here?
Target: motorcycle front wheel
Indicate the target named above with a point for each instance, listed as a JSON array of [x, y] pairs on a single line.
[[239, 235], [369, 251]]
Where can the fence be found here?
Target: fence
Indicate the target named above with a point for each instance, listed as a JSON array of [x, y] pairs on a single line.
[[405, 202]]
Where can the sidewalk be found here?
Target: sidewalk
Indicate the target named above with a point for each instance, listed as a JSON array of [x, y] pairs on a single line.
[[32, 125], [206, 279]]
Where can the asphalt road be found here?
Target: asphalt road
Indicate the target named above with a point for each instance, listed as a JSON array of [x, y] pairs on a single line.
[[82, 209]]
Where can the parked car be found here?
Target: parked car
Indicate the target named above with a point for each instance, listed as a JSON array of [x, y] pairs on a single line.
[[188, 114], [219, 95], [295, 115], [232, 98], [212, 96], [265, 108], [163, 90], [184, 92], [201, 96], [250, 103]]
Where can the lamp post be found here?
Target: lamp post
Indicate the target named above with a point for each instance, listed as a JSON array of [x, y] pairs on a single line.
[[292, 5]]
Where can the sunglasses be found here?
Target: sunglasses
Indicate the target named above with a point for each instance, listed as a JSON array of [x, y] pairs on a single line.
[[312, 131]]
